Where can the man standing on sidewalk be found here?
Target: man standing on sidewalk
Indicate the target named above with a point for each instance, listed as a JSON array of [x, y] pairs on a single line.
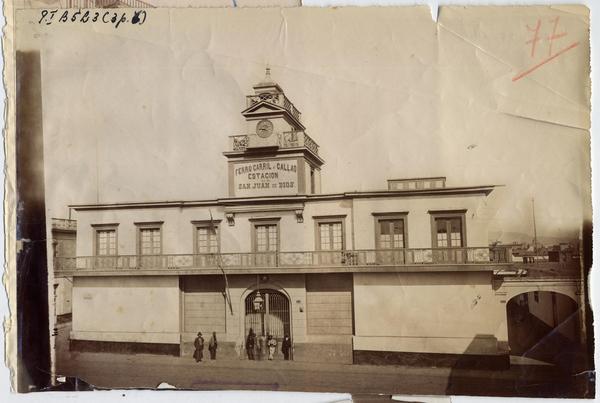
[[286, 346], [199, 347], [250, 341], [212, 346]]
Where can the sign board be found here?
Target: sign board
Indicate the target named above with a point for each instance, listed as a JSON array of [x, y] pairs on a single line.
[[265, 178]]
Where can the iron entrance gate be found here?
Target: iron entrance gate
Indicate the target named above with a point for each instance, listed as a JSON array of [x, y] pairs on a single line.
[[273, 318]]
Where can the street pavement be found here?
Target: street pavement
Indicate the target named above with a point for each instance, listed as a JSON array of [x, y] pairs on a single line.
[[111, 370]]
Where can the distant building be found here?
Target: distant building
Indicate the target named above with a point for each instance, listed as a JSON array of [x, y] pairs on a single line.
[[64, 233], [529, 254], [563, 252]]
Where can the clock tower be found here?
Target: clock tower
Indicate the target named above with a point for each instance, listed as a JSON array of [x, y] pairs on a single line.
[[275, 156]]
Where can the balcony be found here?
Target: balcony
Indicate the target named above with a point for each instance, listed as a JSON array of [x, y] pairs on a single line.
[[312, 260], [64, 224], [286, 140], [278, 99]]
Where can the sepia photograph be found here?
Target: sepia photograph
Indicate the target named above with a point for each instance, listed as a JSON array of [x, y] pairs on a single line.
[[351, 200]]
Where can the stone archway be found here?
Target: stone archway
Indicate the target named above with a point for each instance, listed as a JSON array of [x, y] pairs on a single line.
[[273, 318], [544, 326]]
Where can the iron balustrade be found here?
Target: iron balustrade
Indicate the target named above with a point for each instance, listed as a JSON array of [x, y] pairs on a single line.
[[298, 139], [371, 257], [239, 143], [286, 140], [64, 224]]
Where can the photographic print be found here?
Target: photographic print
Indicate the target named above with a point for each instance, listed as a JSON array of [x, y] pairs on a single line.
[[356, 200]]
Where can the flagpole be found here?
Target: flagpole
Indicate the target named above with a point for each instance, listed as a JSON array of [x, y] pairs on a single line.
[[534, 226], [220, 266]]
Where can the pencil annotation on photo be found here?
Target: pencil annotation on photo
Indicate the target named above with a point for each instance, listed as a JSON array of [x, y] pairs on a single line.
[[134, 17]]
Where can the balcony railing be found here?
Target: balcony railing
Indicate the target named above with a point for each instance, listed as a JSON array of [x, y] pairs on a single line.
[[238, 143], [298, 139], [286, 140], [278, 99], [64, 224], [380, 257]]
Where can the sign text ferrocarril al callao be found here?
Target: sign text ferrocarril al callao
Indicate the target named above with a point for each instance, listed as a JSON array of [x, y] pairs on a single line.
[[260, 178]]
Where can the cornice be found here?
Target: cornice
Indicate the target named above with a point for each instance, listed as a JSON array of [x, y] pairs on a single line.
[[287, 199]]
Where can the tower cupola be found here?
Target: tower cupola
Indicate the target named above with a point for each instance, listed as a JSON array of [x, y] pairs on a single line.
[[285, 160]]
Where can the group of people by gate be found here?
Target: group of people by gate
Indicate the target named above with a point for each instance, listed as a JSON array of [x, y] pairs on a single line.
[[259, 347]]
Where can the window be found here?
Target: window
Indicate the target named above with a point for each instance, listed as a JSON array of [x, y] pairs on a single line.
[[150, 241], [330, 242], [266, 237], [448, 236], [206, 237], [206, 240], [390, 238], [449, 232], [265, 241], [390, 233], [206, 243], [105, 242], [312, 180], [330, 233], [149, 238], [331, 236], [448, 229]]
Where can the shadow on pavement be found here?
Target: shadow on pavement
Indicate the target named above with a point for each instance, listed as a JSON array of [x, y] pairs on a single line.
[[529, 379]]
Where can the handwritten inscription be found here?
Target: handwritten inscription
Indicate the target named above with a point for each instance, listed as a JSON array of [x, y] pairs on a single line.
[[266, 178], [115, 18], [550, 38]]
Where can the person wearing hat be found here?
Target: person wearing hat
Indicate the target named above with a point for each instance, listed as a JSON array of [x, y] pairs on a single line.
[[199, 347], [250, 342]]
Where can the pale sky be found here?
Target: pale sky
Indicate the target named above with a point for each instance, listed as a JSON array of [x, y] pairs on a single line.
[[144, 113]]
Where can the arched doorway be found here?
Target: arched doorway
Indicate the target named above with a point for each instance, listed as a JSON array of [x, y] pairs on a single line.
[[274, 316], [544, 326]]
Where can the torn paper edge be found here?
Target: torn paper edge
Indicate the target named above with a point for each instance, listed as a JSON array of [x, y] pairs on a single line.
[[10, 245]]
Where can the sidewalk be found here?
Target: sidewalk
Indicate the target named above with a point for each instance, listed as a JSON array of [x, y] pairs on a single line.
[[112, 370]]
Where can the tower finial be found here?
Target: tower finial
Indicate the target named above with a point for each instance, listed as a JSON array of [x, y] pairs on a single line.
[[267, 73]]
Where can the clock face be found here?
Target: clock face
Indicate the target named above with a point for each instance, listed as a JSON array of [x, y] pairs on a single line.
[[264, 128]]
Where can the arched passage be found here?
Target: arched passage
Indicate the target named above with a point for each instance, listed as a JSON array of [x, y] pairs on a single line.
[[545, 326], [273, 317]]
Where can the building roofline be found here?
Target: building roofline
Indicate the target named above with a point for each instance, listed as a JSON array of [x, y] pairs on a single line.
[[486, 190], [417, 178], [230, 201]]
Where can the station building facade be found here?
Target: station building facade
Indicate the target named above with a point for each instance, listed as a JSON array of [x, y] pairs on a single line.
[[397, 275]]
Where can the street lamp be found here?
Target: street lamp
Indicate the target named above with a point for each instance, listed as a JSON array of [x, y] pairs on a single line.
[[258, 302], [258, 299]]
